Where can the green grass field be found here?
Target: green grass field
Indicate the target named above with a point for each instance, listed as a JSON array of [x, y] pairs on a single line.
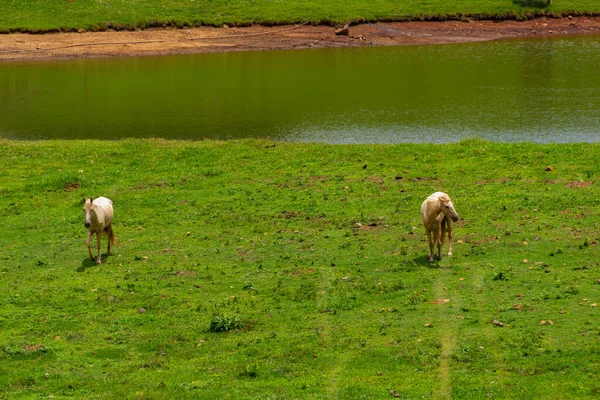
[[261, 270], [67, 15]]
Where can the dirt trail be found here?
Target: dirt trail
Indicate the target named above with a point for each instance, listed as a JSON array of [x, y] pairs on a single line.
[[210, 40], [443, 389]]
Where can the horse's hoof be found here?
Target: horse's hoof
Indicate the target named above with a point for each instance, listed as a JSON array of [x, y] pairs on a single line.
[[449, 254]]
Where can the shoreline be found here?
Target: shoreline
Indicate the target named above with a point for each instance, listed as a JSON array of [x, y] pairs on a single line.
[[170, 41]]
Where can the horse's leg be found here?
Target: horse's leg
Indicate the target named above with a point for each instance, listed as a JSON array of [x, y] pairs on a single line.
[[109, 233], [449, 236], [430, 239], [89, 244], [439, 248], [438, 241], [442, 236], [98, 242]]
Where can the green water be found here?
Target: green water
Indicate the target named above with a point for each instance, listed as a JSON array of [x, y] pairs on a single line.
[[540, 90]]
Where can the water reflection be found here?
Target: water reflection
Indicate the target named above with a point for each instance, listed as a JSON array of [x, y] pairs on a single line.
[[542, 91]]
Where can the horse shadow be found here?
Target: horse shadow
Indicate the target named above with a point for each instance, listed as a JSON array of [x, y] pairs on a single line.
[[423, 261], [416, 263], [86, 263]]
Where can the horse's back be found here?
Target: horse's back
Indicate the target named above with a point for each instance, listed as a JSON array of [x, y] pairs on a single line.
[[107, 208]]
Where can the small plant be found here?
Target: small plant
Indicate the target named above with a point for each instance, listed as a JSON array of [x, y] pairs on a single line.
[[249, 371], [343, 302], [500, 276], [572, 290], [556, 252], [415, 298], [399, 285], [224, 323]]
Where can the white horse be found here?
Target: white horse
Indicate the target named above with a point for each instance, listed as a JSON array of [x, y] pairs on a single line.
[[437, 210], [98, 215]]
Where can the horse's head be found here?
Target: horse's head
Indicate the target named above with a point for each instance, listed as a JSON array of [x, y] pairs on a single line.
[[448, 208], [87, 211]]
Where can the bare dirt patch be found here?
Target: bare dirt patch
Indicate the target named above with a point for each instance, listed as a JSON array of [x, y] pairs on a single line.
[[579, 184], [209, 40]]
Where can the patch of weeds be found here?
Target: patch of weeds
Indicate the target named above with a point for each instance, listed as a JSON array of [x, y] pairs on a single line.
[[477, 250], [357, 392], [13, 209], [398, 285], [76, 336], [224, 323], [155, 362], [211, 172], [61, 181], [572, 290], [12, 350], [544, 295], [500, 276], [306, 291], [383, 326], [345, 245], [525, 343], [416, 298], [426, 354], [25, 382], [249, 371], [556, 252], [585, 244], [23, 351], [470, 353], [345, 301], [409, 266]]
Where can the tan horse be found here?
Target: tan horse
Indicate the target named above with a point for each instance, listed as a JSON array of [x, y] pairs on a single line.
[[98, 215], [437, 210]]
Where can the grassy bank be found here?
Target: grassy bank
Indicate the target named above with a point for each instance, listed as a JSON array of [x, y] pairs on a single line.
[[255, 269], [53, 15]]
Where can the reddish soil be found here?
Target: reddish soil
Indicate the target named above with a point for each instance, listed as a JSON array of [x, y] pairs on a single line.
[[208, 40]]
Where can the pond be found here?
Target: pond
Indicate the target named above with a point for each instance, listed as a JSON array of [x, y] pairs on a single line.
[[545, 90]]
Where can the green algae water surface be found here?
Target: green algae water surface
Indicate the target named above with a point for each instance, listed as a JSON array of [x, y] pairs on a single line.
[[545, 90]]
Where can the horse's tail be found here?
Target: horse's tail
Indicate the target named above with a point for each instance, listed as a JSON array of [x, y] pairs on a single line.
[[111, 234]]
